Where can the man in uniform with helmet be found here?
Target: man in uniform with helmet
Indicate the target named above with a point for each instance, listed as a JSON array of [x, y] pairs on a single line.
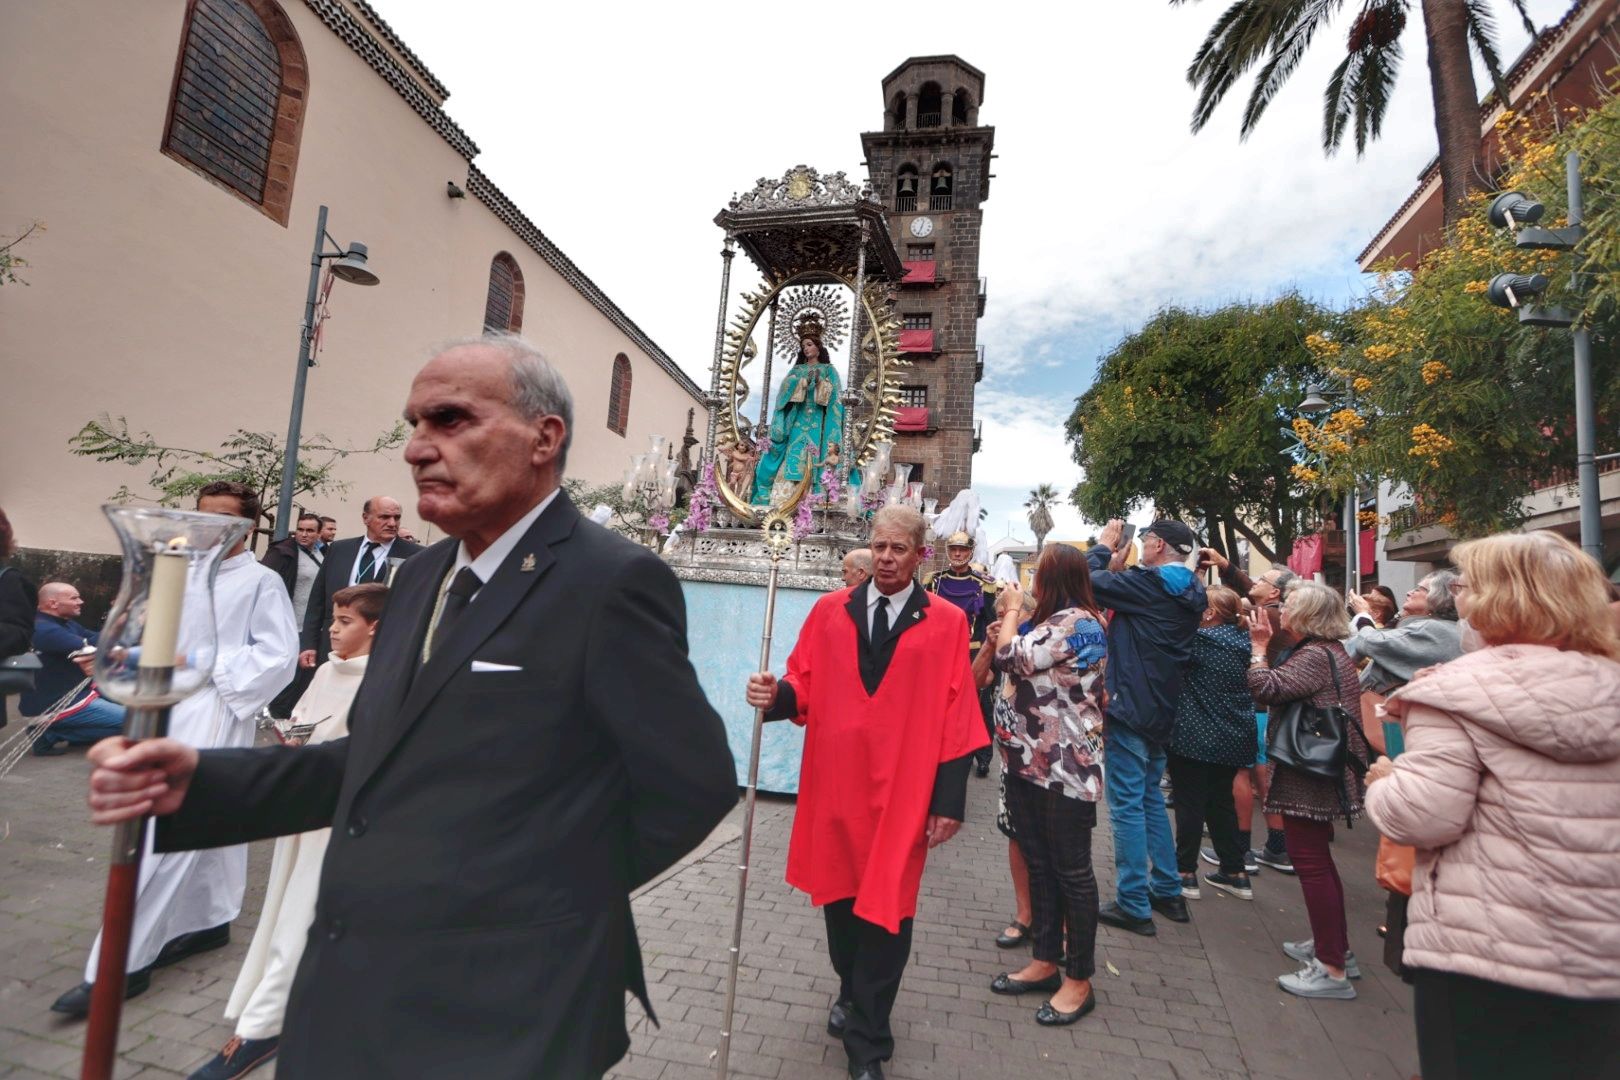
[[967, 585]]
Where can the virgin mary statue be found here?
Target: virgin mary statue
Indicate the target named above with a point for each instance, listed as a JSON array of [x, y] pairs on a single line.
[[808, 421]]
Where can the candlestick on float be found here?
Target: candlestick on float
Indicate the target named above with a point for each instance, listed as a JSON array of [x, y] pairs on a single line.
[[157, 648]]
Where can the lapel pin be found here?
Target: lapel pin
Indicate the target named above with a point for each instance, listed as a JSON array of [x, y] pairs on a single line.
[[528, 564]]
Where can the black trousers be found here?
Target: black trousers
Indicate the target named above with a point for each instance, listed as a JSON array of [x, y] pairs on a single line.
[[869, 961], [987, 702], [1204, 793], [1473, 1029], [1054, 833]]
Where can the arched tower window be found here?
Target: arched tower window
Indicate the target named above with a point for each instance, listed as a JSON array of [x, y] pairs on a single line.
[[897, 112], [619, 395], [237, 109], [959, 108], [905, 189], [930, 102], [939, 187], [503, 306]]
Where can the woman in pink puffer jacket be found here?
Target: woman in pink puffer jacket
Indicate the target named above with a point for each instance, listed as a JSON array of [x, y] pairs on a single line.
[[1510, 790]]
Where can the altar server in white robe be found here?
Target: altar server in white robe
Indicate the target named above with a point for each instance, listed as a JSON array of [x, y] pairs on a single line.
[[258, 1002], [186, 900]]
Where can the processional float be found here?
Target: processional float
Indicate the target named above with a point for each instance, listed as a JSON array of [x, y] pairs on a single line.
[[795, 466]]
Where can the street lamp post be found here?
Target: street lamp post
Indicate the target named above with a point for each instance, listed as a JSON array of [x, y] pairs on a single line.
[[350, 267], [1518, 212]]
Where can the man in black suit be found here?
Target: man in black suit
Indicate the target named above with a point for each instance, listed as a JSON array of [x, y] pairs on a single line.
[[355, 561], [505, 784]]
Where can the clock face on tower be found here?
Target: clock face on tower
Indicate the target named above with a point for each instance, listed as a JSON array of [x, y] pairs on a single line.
[[921, 227]]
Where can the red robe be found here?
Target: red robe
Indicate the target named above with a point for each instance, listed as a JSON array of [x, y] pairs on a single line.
[[869, 761]]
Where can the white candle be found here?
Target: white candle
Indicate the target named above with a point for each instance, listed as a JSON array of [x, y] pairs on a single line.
[[165, 600]]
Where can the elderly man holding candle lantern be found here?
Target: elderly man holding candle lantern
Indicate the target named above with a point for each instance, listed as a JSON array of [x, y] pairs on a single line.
[[186, 900]]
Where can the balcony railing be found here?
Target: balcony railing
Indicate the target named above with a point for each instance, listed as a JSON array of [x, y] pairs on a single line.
[[984, 291], [978, 436], [905, 204], [939, 202], [978, 365], [930, 119]]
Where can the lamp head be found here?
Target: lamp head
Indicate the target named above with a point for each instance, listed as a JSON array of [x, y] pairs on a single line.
[[1511, 290], [352, 267], [1515, 208], [1314, 401]]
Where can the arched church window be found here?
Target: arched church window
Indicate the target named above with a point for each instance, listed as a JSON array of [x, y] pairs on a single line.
[[959, 108], [897, 113], [503, 305], [237, 108], [619, 396]]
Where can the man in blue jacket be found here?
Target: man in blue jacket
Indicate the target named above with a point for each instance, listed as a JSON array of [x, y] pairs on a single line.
[[65, 656], [1157, 605]]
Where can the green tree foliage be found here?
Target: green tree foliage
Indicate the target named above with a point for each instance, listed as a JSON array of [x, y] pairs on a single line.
[[1189, 413], [1460, 402], [253, 458]]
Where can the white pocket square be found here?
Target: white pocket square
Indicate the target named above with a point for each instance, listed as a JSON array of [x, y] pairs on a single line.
[[485, 665]]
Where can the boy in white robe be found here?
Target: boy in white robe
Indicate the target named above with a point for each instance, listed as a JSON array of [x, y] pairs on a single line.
[[185, 900], [258, 1002]]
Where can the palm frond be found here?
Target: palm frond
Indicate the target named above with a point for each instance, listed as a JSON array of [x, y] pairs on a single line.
[[1524, 16], [1376, 84], [1285, 58], [1248, 32], [1338, 101], [1482, 33]]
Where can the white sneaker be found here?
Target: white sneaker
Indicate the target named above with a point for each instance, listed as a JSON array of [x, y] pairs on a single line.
[[1313, 981], [1305, 952]]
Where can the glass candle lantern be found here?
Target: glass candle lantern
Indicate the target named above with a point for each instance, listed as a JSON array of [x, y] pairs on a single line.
[[159, 643]]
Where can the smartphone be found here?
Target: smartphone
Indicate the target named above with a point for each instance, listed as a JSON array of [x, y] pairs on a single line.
[[1394, 734], [1126, 534]]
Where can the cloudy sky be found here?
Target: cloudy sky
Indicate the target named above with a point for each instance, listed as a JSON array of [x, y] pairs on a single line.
[[622, 129]]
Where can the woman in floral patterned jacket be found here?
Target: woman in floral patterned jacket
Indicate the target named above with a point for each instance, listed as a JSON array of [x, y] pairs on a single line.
[[1052, 737]]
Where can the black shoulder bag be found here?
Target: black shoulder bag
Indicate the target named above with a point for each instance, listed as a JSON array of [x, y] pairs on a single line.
[[17, 672], [1314, 739]]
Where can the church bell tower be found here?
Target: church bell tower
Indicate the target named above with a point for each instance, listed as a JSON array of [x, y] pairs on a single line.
[[930, 167]]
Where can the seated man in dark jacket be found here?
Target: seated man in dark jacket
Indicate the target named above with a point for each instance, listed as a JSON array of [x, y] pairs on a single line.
[[1156, 606], [65, 651]]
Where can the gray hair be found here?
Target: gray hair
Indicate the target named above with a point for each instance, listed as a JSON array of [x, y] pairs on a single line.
[[538, 388], [1286, 578], [860, 558], [1442, 605], [1316, 611], [906, 519]]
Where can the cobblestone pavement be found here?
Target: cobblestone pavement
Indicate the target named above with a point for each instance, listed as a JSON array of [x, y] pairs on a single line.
[[1199, 1000]]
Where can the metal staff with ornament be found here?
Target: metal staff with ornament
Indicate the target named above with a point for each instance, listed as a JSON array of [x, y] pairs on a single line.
[[158, 648]]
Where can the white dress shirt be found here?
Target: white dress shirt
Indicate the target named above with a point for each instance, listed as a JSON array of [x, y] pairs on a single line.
[[490, 560], [897, 603], [378, 555]]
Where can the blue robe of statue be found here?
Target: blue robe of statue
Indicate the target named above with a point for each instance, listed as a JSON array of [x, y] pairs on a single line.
[[808, 413]]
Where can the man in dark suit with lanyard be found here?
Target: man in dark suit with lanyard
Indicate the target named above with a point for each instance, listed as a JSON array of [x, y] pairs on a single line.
[[355, 561], [505, 785]]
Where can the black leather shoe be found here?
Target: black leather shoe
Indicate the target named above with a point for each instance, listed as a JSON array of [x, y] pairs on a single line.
[[1113, 915], [1006, 984], [838, 1019], [1173, 908], [872, 1070], [191, 944], [982, 769], [76, 1002], [1051, 1017], [1005, 940], [47, 748]]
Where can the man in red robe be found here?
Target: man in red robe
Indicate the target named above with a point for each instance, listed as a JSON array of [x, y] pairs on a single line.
[[881, 682]]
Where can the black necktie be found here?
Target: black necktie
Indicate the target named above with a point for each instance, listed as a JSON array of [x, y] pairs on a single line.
[[368, 563], [461, 590], [880, 621]]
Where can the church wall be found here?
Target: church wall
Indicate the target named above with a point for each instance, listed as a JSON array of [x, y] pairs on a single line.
[[157, 295]]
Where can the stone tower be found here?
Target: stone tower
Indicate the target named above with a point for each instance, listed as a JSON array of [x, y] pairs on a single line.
[[930, 166]]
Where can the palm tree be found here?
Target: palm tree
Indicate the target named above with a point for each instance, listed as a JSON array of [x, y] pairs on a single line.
[[1039, 505], [1279, 31]]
